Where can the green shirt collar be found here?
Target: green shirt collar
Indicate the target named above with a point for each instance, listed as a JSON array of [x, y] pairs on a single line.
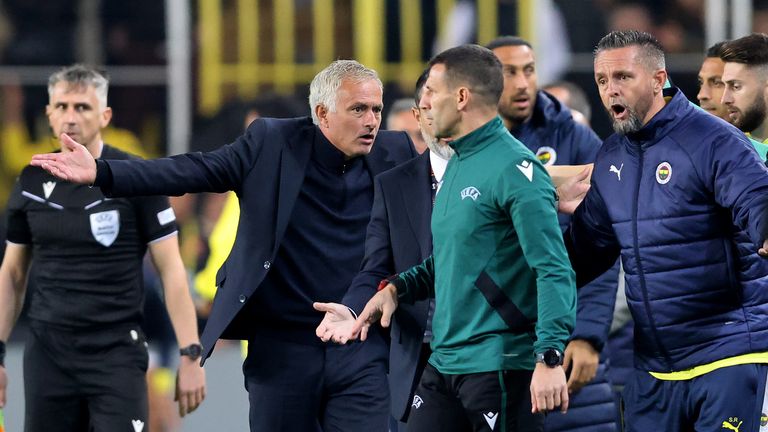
[[478, 138]]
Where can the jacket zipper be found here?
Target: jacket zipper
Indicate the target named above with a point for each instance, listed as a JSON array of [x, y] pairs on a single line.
[[640, 271], [448, 182]]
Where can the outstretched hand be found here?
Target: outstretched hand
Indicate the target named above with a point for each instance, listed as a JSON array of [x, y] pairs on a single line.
[[379, 308], [572, 191], [74, 163], [337, 323]]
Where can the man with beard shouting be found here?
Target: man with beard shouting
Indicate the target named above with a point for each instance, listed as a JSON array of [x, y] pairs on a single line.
[[687, 215]]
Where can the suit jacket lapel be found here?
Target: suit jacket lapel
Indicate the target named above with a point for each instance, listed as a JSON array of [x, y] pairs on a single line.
[[293, 168], [376, 165], [417, 201], [380, 158]]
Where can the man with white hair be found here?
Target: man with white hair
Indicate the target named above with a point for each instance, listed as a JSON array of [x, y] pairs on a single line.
[[398, 237], [306, 190]]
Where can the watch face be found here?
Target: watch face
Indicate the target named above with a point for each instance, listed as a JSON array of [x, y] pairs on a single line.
[[553, 357], [193, 351], [550, 357]]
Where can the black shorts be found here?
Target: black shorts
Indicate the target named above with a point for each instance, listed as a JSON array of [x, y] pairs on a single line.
[[76, 380], [488, 401]]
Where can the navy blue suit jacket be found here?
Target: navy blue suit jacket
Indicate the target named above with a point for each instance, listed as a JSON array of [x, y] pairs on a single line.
[[398, 237], [266, 168]]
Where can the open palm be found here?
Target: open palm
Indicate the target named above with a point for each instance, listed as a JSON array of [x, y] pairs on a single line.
[[337, 323]]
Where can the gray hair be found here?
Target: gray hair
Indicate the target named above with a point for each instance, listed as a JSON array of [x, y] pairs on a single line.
[[78, 76], [325, 85], [652, 53], [400, 105]]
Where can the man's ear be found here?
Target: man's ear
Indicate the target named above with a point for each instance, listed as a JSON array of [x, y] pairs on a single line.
[[765, 90], [462, 98], [659, 79], [322, 115], [106, 117], [416, 114]]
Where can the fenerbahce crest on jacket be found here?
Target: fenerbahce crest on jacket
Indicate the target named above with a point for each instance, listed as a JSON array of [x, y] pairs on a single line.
[[105, 226]]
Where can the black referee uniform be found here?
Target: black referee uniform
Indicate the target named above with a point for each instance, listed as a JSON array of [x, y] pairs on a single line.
[[85, 363]]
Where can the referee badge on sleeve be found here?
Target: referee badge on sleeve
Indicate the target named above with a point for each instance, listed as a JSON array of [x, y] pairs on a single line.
[[105, 226], [166, 216]]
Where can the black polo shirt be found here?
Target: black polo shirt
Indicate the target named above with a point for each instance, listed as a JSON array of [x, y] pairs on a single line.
[[87, 249]]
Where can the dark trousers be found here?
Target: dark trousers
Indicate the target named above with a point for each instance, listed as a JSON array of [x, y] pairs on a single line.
[[730, 398], [489, 401], [310, 387], [85, 380], [401, 426]]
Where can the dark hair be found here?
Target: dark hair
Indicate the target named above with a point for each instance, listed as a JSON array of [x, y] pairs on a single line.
[[716, 50], [420, 86], [652, 51], [504, 41], [474, 66], [578, 98], [751, 50]]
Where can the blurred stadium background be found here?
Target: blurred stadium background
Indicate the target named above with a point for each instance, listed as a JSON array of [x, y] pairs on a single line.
[[185, 73]]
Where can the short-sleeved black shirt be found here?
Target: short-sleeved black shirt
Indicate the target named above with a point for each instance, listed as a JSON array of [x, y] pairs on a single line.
[[87, 249]]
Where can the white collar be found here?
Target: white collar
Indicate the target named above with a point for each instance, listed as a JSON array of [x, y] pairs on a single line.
[[438, 167]]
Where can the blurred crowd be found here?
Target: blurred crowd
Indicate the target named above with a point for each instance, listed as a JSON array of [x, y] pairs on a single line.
[[60, 32]]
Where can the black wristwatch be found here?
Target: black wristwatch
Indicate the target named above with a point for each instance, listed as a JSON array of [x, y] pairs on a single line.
[[550, 357], [193, 351]]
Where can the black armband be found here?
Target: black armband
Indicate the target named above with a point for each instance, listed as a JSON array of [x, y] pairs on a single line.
[[2, 353]]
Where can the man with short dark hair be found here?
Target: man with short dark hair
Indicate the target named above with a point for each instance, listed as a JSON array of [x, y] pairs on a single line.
[[504, 294], [306, 189], [745, 74], [711, 85], [682, 197], [548, 129], [86, 361]]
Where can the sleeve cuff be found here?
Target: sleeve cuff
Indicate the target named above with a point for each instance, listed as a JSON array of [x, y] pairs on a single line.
[[402, 290], [103, 175]]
